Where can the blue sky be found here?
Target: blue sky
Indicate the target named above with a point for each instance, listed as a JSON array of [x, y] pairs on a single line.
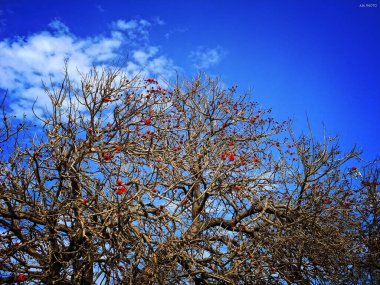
[[311, 58]]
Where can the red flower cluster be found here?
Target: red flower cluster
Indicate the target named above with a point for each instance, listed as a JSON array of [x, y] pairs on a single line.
[[176, 148], [256, 159], [184, 201], [159, 90], [231, 156], [151, 81], [121, 190], [236, 187], [326, 200], [20, 278], [107, 156]]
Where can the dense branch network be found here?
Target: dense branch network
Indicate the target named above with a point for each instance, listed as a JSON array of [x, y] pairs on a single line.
[[125, 181]]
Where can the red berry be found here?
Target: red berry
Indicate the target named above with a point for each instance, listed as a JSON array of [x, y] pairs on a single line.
[[154, 190], [147, 121], [85, 200], [354, 168], [118, 148], [224, 125], [89, 130], [106, 99], [231, 157], [119, 182]]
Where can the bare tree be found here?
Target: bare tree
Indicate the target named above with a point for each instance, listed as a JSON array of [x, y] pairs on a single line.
[[126, 182]]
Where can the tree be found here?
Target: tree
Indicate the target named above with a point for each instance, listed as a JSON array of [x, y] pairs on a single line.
[[123, 181]]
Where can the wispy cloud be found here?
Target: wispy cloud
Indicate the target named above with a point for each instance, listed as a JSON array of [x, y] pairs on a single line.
[[100, 8], [2, 20], [175, 31], [27, 61], [159, 21], [203, 57], [58, 26]]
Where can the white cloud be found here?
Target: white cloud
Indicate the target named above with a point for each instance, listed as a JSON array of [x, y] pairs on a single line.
[[206, 57], [123, 25], [142, 56], [26, 62]]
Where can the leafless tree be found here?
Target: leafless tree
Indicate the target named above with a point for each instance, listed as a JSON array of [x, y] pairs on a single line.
[[123, 181]]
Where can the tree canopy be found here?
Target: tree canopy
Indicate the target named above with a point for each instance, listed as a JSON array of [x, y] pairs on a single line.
[[125, 180]]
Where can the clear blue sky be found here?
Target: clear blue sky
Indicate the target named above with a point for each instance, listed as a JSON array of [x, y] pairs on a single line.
[[316, 58]]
